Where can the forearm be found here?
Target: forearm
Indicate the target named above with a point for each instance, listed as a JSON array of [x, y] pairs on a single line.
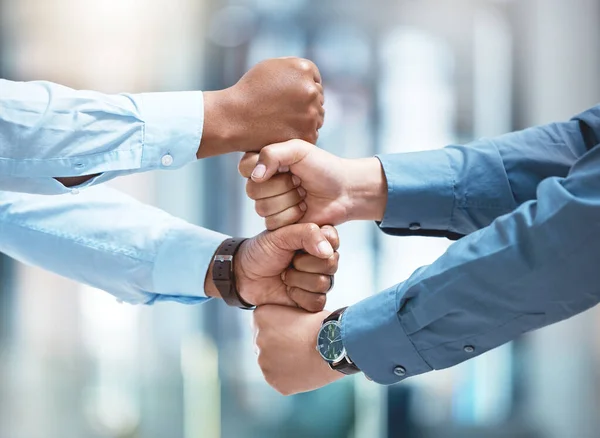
[[49, 131], [110, 241], [528, 269], [462, 188]]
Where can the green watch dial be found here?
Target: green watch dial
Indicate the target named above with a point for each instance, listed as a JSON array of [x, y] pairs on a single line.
[[329, 342]]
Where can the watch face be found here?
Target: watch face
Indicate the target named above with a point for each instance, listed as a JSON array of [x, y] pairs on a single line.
[[329, 342]]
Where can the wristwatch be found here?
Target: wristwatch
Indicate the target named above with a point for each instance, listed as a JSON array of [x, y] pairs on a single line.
[[223, 274], [331, 347]]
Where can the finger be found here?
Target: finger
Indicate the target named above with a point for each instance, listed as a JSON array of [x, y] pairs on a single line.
[[316, 74], [317, 283], [277, 185], [310, 301], [276, 204], [321, 94], [332, 235], [278, 155], [314, 265], [247, 164], [307, 237], [287, 217]]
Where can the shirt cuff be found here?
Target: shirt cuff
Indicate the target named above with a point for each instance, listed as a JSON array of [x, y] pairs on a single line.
[[376, 341], [173, 124], [420, 191], [182, 262]]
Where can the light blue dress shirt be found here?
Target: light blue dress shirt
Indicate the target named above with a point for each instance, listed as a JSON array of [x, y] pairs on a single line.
[[100, 236], [529, 205], [47, 131]]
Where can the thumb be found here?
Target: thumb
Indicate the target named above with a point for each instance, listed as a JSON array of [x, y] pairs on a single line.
[[274, 157], [247, 164], [307, 237]]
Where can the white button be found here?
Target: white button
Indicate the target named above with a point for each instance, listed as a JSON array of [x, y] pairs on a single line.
[[167, 160], [75, 191]]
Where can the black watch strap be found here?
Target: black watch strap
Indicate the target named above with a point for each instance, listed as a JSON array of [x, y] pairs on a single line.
[[345, 365], [223, 274]]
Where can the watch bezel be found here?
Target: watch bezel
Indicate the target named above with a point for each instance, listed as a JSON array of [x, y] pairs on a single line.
[[342, 353]]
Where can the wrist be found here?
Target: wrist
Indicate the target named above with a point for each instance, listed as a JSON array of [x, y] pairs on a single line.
[[210, 289], [239, 273], [218, 132], [236, 279], [367, 189]]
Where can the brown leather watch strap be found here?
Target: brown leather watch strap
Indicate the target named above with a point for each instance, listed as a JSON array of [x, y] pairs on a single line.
[[223, 274], [345, 365]]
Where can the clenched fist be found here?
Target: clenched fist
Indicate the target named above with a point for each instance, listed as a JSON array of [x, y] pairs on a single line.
[[277, 100], [320, 187], [292, 266]]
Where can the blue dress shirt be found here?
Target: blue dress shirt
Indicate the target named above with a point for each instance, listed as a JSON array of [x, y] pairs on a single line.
[[529, 206], [47, 131], [100, 236]]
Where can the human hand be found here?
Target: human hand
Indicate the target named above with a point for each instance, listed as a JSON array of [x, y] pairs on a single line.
[[263, 273], [286, 340], [319, 188], [277, 100]]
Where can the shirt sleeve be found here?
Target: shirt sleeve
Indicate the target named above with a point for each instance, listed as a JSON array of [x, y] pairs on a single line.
[[48, 130], [527, 269], [108, 240], [454, 191]]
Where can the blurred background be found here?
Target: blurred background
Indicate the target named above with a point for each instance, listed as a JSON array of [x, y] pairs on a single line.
[[399, 76]]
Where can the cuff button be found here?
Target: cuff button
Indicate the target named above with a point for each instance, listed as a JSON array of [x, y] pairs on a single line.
[[399, 371], [415, 226], [167, 160], [469, 349]]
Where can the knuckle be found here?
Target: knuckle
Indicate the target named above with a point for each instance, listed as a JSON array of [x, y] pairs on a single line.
[[311, 228], [313, 115], [272, 223], [252, 190], [323, 283], [261, 208], [313, 91], [266, 153], [294, 215], [332, 265], [304, 65], [319, 303]]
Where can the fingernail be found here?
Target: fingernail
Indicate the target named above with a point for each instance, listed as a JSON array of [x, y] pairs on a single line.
[[283, 274], [302, 192], [325, 248], [283, 169], [296, 180], [303, 206], [259, 171]]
